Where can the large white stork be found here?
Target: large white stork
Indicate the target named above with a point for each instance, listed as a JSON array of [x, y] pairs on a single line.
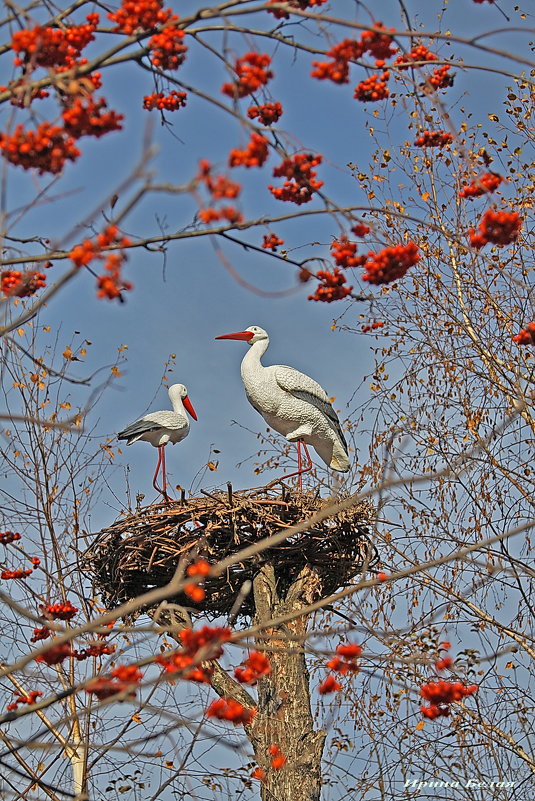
[[291, 403], [159, 428]]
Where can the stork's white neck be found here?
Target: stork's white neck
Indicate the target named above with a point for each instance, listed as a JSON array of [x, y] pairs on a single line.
[[251, 363]]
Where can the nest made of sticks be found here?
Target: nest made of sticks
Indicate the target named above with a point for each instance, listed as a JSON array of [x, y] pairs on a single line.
[[142, 551]]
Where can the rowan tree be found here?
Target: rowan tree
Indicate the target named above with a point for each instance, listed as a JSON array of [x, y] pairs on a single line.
[[411, 213]]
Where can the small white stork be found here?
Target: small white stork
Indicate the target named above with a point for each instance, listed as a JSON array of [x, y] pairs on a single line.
[[291, 403], [159, 428]]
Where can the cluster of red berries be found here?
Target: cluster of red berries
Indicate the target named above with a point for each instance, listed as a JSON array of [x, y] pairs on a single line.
[[231, 710], [109, 285], [344, 662], [201, 568], [378, 43], [55, 654], [167, 50], [139, 15], [254, 155], [280, 13], [7, 537], [440, 78], [267, 114], [30, 698], [433, 139], [277, 757], [526, 335], [499, 227], [372, 327], [60, 611], [125, 680], [42, 633], [21, 284], [373, 88], [47, 148], [390, 263], [171, 102], [361, 229], [272, 242], [417, 54], [441, 694], [332, 286], [53, 47], [488, 182], [89, 119], [15, 574], [208, 641], [344, 253], [95, 650], [229, 213], [255, 666], [219, 186], [252, 73], [301, 183]]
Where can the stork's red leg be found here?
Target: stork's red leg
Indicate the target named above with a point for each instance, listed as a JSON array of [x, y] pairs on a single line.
[[300, 469], [161, 463]]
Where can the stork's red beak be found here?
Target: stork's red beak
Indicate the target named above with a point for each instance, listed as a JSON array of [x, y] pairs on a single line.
[[245, 335], [188, 407]]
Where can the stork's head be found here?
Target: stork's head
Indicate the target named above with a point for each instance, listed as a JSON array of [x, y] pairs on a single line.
[[180, 392], [251, 335]]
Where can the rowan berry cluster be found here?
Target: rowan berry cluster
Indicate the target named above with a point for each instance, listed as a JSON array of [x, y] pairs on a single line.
[[378, 43], [344, 253], [21, 284], [365, 329], [20, 699], [218, 186], [47, 148], [7, 537], [373, 88], [267, 114], [231, 710], [208, 641], [526, 335], [53, 47], [417, 54], [254, 155], [15, 574], [332, 286], [345, 659], [278, 760], [125, 680], [229, 213], [329, 685], [139, 15], [59, 611], [192, 590], [42, 633], [444, 663], [252, 73], [95, 650], [167, 50], [488, 182], [441, 694], [360, 229], [256, 665], [272, 242], [109, 285], [301, 183], [87, 118], [55, 654], [433, 139], [390, 263], [171, 102], [498, 227]]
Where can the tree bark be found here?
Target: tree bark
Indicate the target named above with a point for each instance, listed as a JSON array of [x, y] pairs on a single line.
[[284, 716]]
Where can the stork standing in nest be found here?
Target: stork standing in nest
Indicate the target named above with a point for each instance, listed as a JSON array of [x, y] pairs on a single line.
[[159, 428], [293, 404]]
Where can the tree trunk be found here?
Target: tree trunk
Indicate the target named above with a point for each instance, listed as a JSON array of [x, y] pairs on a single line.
[[284, 716]]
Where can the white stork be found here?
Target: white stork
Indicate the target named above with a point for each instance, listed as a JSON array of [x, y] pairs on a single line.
[[159, 428], [291, 403]]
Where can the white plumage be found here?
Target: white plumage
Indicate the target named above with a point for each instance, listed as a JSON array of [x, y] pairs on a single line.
[[159, 428], [290, 402]]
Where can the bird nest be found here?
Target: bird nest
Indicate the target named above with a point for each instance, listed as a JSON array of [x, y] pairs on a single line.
[[142, 551]]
